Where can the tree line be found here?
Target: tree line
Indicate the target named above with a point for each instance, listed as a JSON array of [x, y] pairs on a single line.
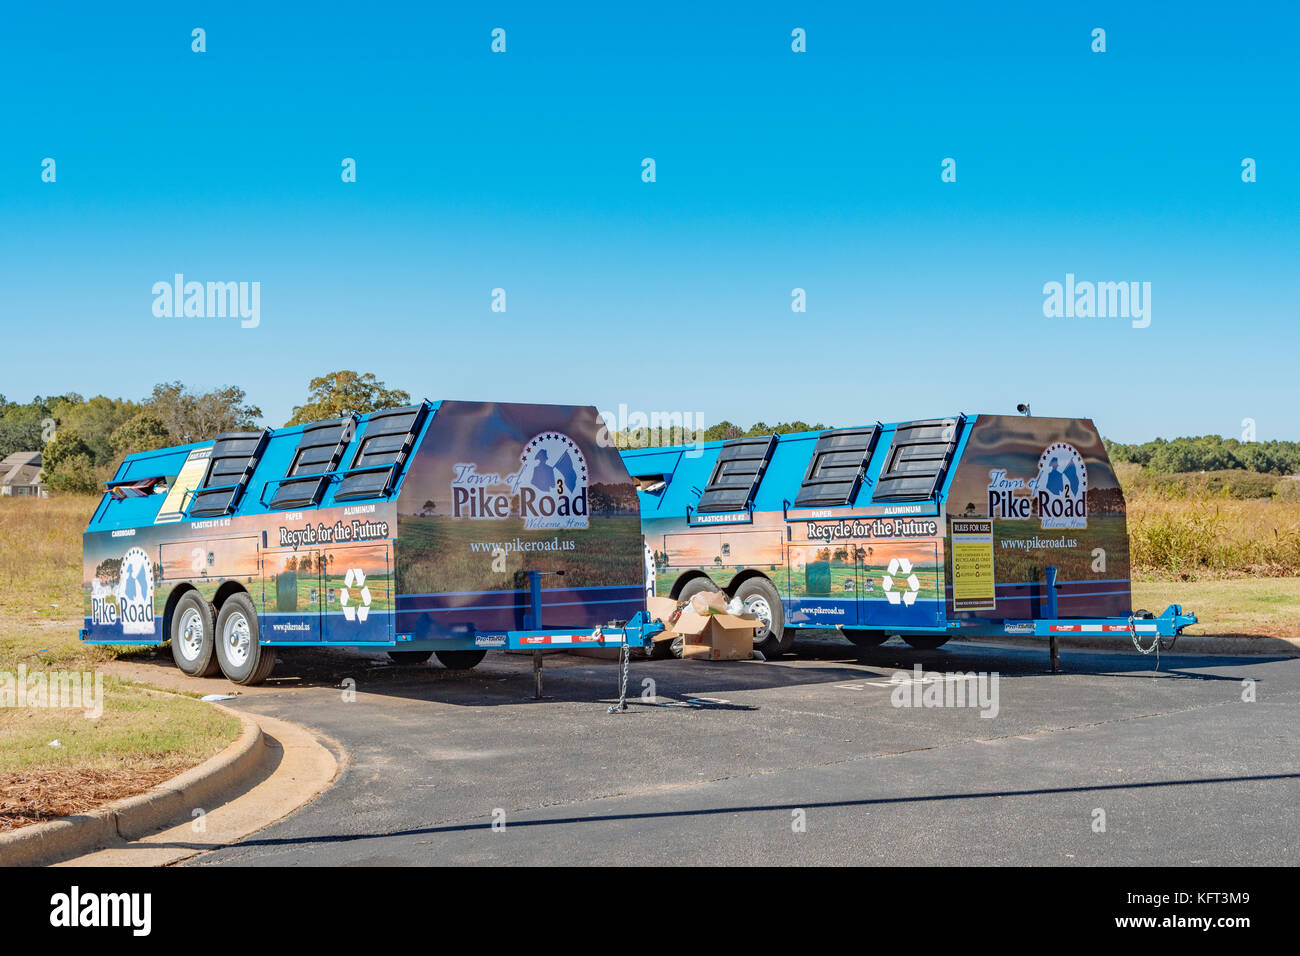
[[1209, 453], [83, 441]]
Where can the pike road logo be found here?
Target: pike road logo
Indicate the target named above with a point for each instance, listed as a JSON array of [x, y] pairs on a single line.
[[1061, 487], [130, 601], [553, 483], [1057, 494], [549, 491]]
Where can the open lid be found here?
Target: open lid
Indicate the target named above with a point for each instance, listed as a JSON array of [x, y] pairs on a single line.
[[234, 458], [385, 444], [918, 459], [736, 474], [835, 469], [319, 451]]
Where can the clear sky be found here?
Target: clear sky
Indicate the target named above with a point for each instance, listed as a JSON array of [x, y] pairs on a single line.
[[775, 170]]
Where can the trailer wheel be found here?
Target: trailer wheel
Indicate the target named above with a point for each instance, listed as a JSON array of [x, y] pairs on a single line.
[[460, 660], [761, 599], [242, 657], [193, 627], [926, 643], [409, 657], [866, 639]]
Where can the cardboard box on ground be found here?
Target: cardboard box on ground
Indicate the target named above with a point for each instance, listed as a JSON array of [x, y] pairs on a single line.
[[710, 633]]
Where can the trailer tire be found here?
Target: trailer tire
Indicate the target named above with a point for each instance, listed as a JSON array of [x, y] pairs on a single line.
[[866, 639], [242, 656], [460, 660], [193, 630], [409, 658], [926, 643], [761, 599]]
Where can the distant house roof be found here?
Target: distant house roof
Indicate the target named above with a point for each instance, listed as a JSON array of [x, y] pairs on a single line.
[[21, 468]]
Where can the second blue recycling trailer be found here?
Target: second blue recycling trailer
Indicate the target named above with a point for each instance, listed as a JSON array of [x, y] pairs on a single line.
[[978, 525]]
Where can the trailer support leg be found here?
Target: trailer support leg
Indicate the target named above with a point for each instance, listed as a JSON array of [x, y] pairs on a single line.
[[1053, 614], [537, 675]]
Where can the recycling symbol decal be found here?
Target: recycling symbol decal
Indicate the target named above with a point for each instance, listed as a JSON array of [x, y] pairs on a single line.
[[899, 566], [355, 612]]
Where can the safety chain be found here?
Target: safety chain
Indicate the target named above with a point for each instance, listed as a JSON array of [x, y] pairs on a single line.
[[1155, 641], [621, 706]]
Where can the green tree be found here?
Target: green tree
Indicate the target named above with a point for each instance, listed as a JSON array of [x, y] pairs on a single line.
[[68, 465], [723, 431], [190, 416], [336, 394], [95, 420], [144, 432], [24, 427]]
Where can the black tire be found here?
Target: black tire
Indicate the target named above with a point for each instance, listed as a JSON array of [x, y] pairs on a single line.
[[926, 643], [242, 656], [196, 654], [761, 599], [661, 650], [460, 660], [409, 658], [866, 639], [689, 590]]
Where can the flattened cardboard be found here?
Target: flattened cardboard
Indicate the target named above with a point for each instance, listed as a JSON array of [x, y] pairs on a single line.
[[691, 623], [660, 608]]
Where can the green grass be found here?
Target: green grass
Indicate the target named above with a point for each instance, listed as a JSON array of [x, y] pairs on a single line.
[[1262, 607], [136, 730], [40, 614]]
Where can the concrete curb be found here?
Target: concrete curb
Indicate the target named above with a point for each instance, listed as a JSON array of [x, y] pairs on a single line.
[[133, 817]]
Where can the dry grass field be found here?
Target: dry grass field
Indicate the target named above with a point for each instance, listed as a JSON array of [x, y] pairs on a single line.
[[56, 760]]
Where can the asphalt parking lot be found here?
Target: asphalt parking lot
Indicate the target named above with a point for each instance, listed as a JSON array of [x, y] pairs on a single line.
[[1109, 763]]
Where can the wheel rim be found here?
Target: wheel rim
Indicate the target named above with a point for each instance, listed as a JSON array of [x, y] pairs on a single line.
[[235, 636], [757, 605], [190, 640]]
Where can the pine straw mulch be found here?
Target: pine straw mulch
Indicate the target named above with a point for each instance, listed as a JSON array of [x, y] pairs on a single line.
[[37, 796]]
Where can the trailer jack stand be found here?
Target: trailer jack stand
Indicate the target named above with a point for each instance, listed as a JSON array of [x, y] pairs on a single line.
[[537, 675], [1053, 648]]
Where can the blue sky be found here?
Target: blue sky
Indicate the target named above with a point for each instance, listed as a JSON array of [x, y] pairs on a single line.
[[775, 170]]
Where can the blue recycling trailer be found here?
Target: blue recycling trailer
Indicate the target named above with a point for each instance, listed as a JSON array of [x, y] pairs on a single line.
[[969, 525], [447, 528]]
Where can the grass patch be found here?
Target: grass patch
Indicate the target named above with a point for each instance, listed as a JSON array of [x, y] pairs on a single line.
[[136, 728], [1255, 607], [41, 584], [138, 740]]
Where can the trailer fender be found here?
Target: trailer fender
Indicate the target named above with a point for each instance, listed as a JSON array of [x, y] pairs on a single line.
[[680, 584]]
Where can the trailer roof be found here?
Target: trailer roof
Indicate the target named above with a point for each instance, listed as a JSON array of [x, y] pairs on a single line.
[[812, 468], [364, 461]]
